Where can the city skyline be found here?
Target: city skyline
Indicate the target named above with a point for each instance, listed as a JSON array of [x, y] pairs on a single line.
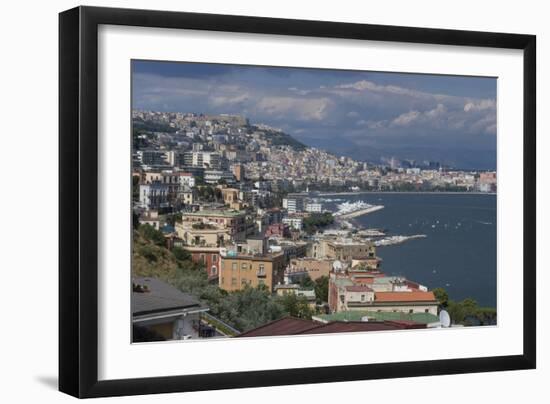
[[363, 115]]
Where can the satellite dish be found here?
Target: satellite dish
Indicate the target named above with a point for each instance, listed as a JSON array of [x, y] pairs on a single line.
[[444, 319]]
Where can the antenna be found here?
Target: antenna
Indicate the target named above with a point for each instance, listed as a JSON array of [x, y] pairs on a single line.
[[444, 319]]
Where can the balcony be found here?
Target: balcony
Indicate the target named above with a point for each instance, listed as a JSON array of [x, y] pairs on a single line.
[[261, 274]]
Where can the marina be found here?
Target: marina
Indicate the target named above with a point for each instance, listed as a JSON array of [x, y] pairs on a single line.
[[349, 210]]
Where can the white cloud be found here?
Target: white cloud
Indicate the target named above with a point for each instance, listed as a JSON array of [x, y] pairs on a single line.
[[405, 119], [228, 100], [480, 105], [305, 109]]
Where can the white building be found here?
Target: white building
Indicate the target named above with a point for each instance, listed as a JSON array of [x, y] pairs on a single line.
[[214, 176], [314, 207], [295, 223], [187, 179], [203, 159], [154, 195], [293, 204]]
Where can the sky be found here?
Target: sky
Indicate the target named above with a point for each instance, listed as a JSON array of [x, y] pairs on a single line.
[[369, 116]]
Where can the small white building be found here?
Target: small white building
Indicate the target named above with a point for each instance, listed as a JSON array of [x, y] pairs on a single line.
[[295, 223], [186, 179], [314, 207], [154, 195]]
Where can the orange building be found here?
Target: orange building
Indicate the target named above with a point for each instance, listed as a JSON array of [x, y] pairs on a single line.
[[253, 270]]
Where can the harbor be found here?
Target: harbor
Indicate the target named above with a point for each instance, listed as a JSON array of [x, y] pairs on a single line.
[[350, 210]]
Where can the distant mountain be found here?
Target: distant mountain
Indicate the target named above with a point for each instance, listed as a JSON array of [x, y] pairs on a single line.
[[284, 139], [150, 126]]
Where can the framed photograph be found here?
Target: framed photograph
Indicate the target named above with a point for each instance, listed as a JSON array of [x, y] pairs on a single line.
[[251, 201]]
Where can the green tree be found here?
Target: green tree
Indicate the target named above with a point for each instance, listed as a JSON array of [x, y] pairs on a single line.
[[248, 308], [152, 234], [296, 306], [441, 295], [321, 289], [306, 282], [316, 221], [173, 218], [181, 254]]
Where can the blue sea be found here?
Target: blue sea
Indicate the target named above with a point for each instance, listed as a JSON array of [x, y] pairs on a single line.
[[459, 252]]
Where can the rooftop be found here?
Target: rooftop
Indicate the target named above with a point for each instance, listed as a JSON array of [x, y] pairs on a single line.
[[359, 326], [415, 296], [283, 326], [298, 326], [216, 213], [358, 288], [159, 297], [357, 315]]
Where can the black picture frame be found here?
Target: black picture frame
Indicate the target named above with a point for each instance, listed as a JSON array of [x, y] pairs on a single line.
[[78, 200]]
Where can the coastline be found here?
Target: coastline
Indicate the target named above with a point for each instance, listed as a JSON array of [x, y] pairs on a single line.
[[406, 193]]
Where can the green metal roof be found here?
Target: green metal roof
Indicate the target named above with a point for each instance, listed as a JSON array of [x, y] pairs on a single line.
[[353, 315]]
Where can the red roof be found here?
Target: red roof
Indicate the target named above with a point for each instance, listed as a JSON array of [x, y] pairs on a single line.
[[283, 326], [361, 326], [298, 326], [415, 296]]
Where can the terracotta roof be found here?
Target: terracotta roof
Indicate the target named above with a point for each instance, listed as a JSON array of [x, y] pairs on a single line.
[[283, 326], [415, 296], [297, 326], [361, 326]]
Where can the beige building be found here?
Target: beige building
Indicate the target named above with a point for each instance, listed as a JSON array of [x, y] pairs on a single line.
[[379, 294], [240, 270], [315, 268], [346, 250], [234, 222], [201, 234], [187, 195]]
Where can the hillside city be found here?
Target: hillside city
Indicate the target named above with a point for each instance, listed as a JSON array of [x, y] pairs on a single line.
[[232, 236]]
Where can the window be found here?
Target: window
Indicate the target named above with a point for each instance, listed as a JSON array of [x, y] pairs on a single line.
[[214, 270], [214, 257], [202, 259], [362, 298], [233, 281], [244, 265], [261, 269], [234, 266], [426, 310], [411, 311]]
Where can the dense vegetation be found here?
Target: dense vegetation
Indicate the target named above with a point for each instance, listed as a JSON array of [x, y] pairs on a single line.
[[467, 311], [209, 193], [149, 126], [243, 310], [317, 221], [283, 139]]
